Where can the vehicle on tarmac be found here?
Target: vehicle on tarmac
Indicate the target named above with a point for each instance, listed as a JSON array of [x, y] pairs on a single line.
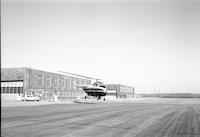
[[97, 89], [30, 98]]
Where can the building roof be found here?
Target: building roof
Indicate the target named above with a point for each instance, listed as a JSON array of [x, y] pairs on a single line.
[[18, 73]]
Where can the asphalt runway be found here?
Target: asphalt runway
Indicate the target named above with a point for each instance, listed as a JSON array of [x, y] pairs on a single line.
[[121, 119]]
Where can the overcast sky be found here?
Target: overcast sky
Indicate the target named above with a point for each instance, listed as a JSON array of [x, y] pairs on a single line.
[[142, 43]]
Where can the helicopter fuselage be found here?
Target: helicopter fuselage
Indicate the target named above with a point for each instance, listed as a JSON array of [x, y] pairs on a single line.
[[91, 90]]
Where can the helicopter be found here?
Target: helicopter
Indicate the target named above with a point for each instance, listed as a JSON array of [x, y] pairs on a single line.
[[97, 89]]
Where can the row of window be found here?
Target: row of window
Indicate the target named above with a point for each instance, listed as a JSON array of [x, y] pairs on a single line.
[[11, 90], [111, 94], [126, 89], [54, 83]]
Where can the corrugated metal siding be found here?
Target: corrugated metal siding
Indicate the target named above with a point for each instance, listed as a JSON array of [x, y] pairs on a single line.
[[12, 74]]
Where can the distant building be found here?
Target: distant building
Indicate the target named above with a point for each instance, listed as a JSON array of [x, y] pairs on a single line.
[[119, 91], [17, 82]]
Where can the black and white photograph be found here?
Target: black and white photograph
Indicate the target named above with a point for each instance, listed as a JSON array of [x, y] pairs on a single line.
[[100, 68]]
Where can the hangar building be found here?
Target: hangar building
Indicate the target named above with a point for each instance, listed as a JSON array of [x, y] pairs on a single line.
[[119, 91], [17, 82]]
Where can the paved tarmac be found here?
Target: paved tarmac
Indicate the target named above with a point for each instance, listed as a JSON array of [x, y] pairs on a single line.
[[18, 103], [104, 119]]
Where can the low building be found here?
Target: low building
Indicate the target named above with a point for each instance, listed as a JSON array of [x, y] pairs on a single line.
[[17, 82], [119, 91]]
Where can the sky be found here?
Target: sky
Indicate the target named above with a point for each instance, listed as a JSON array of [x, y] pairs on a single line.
[[152, 45]]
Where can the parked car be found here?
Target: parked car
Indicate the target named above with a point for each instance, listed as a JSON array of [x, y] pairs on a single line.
[[30, 98]]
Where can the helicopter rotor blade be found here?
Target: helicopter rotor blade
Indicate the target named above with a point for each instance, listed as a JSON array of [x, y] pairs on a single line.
[[79, 75]]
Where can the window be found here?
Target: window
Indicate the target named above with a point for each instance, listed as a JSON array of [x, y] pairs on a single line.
[[15, 89], [11, 90], [68, 84], [61, 82], [20, 90], [2, 89], [74, 83], [7, 89]]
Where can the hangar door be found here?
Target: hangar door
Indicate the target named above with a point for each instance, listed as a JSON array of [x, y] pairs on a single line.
[[12, 87]]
